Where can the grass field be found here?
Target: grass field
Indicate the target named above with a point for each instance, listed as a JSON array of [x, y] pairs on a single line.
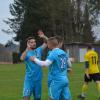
[[12, 76]]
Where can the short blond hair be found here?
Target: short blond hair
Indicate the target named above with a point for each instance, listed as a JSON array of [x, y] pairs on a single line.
[[54, 41]]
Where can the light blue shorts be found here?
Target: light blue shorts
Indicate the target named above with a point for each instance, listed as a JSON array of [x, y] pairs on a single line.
[[59, 90], [32, 87]]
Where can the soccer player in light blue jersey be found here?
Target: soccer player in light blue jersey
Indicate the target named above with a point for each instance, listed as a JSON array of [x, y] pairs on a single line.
[[57, 60], [33, 76]]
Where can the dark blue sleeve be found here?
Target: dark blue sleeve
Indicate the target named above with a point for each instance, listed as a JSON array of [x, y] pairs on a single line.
[[86, 64]]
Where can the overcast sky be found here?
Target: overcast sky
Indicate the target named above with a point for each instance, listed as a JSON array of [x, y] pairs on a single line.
[[4, 14]]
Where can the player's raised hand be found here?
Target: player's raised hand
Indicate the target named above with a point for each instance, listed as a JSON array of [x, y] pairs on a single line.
[[28, 46], [32, 58], [44, 37], [41, 34]]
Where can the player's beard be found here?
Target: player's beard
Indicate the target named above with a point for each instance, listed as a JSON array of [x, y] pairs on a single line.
[[33, 47]]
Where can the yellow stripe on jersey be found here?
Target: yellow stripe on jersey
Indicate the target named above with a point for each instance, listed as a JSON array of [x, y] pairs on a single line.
[[92, 57]]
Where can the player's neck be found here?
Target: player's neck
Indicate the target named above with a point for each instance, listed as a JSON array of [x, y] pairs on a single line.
[[31, 49], [55, 48], [89, 49]]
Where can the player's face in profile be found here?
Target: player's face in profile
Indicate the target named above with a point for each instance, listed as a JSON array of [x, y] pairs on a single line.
[[49, 44], [32, 43]]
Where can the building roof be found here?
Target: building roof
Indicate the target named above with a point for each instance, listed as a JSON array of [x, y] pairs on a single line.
[[10, 48], [82, 44], [13, 48], [1, 45]]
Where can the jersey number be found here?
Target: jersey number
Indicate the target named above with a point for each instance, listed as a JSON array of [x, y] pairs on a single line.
[[94, 60], [62, 62]]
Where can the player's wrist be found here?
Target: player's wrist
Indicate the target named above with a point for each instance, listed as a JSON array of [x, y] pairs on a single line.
[[26, 50], [45, 38], [34, 58]]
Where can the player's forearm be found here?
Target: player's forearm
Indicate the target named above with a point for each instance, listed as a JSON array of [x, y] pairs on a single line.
[[44, 45], [45, 38], [69, 63], [22, 58], [42, 63]]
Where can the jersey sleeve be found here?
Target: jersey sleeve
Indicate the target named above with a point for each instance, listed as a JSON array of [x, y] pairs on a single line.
[[86, 57], [97, 56], [28, 55], [51, 57], [39, 50]]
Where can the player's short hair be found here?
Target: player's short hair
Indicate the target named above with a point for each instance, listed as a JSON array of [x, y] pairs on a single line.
[[54, 41], [89, 46], [59, 39], [29, 38], [39, 30]]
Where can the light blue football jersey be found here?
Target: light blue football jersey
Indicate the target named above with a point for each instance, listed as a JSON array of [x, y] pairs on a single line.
[[33, 70], [58, 69]]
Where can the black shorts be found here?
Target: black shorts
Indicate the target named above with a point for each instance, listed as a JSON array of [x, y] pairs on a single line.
[[95, 77]]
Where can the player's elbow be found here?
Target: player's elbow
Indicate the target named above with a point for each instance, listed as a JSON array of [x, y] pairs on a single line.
[[21, 58], [43, 64]]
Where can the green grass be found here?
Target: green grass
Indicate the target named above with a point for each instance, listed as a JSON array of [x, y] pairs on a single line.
[[12, 77]]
